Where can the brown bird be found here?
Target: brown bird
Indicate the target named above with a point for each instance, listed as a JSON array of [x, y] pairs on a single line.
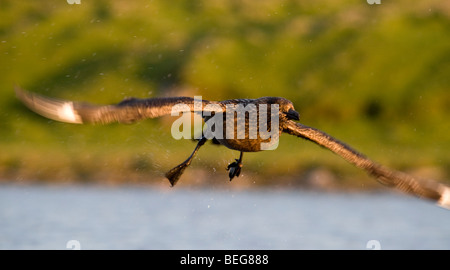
[[133, 109]]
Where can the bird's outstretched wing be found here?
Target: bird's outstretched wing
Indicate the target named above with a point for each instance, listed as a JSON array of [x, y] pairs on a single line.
[[127, 111], [418, 187]]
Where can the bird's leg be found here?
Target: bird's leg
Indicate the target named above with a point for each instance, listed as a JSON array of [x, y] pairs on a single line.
[[235, 167], [174, 174]]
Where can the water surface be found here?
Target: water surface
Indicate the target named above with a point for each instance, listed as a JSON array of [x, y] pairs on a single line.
[[48, 217]]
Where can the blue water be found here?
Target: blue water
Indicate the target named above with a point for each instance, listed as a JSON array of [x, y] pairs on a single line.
[[48, 217]]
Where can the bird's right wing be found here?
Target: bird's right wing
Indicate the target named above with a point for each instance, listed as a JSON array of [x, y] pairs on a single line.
[[428, 189], [127, 111]]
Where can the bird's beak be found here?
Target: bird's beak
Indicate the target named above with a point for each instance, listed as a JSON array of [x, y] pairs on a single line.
[[293, 115]]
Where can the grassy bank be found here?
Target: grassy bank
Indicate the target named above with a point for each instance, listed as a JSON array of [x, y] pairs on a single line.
[[374, 76]]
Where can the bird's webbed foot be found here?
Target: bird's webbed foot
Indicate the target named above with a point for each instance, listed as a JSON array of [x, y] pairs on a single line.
[[235, 168], [175, 173]]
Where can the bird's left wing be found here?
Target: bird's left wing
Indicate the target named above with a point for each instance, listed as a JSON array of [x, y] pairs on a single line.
[[428, 189], [127, 111]]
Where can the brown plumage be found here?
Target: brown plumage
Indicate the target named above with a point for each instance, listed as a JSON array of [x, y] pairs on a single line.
[[131, 110]]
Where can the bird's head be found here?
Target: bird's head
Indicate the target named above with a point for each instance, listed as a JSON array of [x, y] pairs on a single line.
[[285, 106]]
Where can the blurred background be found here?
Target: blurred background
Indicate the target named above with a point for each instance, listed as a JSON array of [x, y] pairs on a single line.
[[373, 76]]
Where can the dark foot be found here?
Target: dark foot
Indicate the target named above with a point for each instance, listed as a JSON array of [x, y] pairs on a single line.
[[235, 169], [175, 173]]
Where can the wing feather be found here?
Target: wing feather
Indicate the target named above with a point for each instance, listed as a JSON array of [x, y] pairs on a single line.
[[419, 187], [127, 111]]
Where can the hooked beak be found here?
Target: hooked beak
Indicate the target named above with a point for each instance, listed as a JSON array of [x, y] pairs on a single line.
[[293, 115]]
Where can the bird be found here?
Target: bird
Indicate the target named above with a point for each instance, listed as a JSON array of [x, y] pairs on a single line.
[[131, 110]]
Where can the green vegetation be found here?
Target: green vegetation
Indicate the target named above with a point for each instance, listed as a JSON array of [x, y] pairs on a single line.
[[374, 76]]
